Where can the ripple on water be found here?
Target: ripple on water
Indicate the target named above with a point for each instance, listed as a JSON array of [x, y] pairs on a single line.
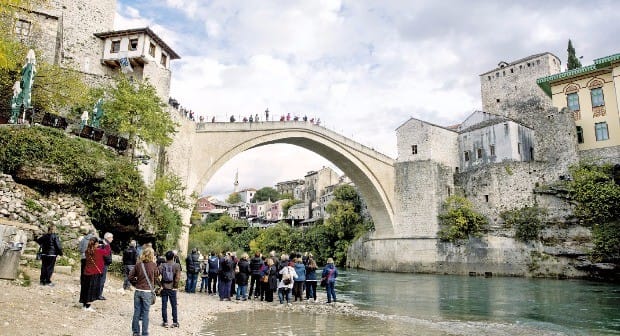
[[355, 322]]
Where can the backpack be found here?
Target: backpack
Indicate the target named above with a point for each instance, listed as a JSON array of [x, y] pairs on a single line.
[[214, 264], [167, 274]]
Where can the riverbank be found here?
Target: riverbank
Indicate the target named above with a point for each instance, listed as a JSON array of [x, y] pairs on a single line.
[[45, 310]]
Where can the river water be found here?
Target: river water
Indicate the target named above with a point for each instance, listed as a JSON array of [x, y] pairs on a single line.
[[413, 304]]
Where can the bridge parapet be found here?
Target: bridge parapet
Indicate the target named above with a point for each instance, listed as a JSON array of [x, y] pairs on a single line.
[[291, 126]]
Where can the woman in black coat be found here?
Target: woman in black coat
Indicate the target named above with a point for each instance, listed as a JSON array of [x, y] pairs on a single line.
[[50, 249]]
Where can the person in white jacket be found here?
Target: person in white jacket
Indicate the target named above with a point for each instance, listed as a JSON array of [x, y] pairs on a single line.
[[285, 285]]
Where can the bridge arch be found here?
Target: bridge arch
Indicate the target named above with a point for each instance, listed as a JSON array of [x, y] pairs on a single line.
[[214, 144]]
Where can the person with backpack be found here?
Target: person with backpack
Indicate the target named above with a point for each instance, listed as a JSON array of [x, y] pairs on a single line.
[[214, 267], [192, 263], [170, 273], [204, 275], [130, 256]]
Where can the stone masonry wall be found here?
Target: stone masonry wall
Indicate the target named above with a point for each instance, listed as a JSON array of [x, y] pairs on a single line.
[[21, 204], [422, 187]]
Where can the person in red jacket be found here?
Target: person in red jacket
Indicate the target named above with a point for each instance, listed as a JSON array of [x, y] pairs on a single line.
[[93, 271]]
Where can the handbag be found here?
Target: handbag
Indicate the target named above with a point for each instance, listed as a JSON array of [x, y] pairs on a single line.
[[153, 296], [323, 282], [265, 278]]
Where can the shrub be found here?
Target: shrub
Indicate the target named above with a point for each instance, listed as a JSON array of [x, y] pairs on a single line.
[[527, 221], [459, 220]]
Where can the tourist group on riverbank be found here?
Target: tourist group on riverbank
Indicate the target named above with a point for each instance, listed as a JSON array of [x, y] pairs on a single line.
[[293, 277]]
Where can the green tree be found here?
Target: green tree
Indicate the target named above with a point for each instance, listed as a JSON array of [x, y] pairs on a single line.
[[458, 220], [228, 225], [573, 61], [135, 109], [266, 193], [596, 193], [169, 187], [233, 198]]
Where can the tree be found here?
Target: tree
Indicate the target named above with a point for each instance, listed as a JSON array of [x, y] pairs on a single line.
[[135, 109], [233, 198], [169, 188], [266, 193], [573, 61]]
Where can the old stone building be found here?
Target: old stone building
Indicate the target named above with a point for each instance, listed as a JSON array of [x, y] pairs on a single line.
[[514, 81]]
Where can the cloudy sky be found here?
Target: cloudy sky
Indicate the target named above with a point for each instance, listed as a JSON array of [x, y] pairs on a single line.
[[363, 67]]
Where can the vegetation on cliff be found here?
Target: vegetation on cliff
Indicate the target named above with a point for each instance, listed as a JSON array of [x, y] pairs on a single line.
[[527, 222], [110, 185], [459, 221], [329, 238], [597, 194]]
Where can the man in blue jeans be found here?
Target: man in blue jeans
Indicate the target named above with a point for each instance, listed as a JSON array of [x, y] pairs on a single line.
[[192, 263], [170, 273]]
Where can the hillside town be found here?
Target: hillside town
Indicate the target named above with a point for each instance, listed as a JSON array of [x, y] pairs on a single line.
[[311, 195]]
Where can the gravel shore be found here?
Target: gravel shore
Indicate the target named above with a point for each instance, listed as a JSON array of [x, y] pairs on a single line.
[[46, 310]]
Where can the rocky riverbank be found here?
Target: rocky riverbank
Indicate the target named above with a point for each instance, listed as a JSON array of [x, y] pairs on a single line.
[[45, 310]]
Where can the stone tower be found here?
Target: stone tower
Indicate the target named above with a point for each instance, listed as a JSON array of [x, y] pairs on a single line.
[[510, 83]]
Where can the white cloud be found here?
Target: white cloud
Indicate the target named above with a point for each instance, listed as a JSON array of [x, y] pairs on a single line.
[[363, 67]]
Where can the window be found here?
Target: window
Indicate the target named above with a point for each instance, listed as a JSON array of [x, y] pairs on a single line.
[[414, 149], [597, 97], [152, 49], [572, 101], [164, 59], [492, 149], [579, 134], [486, 198], [133, 44], [116, 46], [22, 28], [479, 153], [519, 148], [466, 155], [601, 131]]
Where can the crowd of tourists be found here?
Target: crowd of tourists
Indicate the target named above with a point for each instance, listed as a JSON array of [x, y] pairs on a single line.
[[292, 277]]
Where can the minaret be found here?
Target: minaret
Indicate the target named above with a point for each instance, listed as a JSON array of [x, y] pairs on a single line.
[[237, 181]]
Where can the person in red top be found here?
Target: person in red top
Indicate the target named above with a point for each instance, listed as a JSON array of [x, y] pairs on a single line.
[[93, 271]]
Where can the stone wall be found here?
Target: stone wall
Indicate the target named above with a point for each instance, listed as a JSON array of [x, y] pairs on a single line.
[[602, 155], [422, 187], [19, 203]]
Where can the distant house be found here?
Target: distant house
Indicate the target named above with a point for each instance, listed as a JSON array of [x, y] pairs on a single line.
[[210, 205]]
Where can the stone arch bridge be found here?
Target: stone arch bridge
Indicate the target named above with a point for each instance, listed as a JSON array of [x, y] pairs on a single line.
[[213, 144]]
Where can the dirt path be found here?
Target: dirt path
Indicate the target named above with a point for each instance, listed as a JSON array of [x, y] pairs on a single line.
[[45, 310]]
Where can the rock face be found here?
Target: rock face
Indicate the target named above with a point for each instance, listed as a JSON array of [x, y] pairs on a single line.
[[21, 204]]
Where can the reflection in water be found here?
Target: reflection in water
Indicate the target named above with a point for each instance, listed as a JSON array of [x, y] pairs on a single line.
[[411, 304]]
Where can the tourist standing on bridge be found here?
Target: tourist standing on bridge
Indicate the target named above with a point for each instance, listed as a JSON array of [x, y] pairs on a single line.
[[267, 114], [50, 249], [256, 117], [288, 117]]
